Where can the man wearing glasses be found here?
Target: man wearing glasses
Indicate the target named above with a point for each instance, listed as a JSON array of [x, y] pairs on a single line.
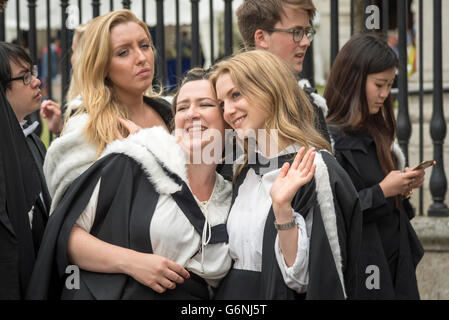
[[283, 27], [20, 83]]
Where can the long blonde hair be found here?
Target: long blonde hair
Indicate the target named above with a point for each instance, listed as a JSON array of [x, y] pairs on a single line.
[[73, 92], [90, 78], [269, 83]]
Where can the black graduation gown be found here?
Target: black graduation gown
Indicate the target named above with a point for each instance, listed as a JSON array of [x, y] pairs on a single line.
[[320, 120], [324, 281], [126, 203], [19, 190], [389, 241], [42, 206]]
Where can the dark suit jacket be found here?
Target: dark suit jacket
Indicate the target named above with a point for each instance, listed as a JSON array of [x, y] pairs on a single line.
[[19, 189]]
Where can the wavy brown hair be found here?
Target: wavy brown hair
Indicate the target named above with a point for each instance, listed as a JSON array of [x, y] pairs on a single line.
[[362, 55]]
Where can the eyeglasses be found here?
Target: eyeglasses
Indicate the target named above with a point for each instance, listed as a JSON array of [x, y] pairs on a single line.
[[297, 33], [28, 76]]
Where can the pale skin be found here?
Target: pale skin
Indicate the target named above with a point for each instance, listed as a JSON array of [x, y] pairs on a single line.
[[241, 115], [131, 73], [91, 253], [197, 105], [154, 271], [24, 99], [282, 44], [378, 87], [51, 112], [284, 188], [402, 183]]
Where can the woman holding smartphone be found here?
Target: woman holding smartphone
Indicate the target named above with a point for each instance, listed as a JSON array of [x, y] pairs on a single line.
[[362, 124]]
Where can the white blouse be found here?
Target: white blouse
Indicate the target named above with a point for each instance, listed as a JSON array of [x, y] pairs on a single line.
[[173, 236], [246, 223]]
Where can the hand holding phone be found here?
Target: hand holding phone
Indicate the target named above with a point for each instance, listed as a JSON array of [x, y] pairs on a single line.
[[425, 165]]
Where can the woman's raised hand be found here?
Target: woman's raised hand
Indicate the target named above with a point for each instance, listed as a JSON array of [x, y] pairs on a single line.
[[51, 112], [290, 179]]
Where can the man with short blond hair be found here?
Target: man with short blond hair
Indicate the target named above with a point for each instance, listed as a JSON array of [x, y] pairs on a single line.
[[284, 28]]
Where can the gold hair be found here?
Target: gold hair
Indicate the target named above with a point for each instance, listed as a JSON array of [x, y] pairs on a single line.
[[269, 83], [73, 92], [90, 78]]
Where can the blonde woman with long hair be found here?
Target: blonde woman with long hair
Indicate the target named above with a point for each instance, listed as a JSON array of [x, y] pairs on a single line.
[[295, 221], [113, 75]]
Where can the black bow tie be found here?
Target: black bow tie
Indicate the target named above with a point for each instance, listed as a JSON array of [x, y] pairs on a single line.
[[262, 165]]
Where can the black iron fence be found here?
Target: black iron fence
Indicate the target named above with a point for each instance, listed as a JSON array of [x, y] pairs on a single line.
[[392, 14]]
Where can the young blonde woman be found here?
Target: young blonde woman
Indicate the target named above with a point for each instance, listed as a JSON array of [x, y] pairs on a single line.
[[113, 75], [146, 221], [294, 228]]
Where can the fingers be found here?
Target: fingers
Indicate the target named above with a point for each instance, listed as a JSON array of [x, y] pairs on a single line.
[[49, 104], [173, 266], [412, 174], [311, 173], [298, 158], [130, 126], [157, 287], [302, 161], [284, 170], [124, 123], [168, 274], [310, 160], [172, 275], [50, 109], [165, 283], [413, 179]]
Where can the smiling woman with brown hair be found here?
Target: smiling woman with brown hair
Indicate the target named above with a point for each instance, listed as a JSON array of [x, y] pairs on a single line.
[[145, 222]]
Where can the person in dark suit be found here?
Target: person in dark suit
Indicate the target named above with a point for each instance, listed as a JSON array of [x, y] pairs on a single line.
[[24, 200]]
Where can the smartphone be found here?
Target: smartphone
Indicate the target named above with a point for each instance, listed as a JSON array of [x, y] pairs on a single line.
[[424, 165]]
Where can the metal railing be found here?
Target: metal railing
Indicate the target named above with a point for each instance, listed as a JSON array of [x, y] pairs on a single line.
[[438, 182]]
